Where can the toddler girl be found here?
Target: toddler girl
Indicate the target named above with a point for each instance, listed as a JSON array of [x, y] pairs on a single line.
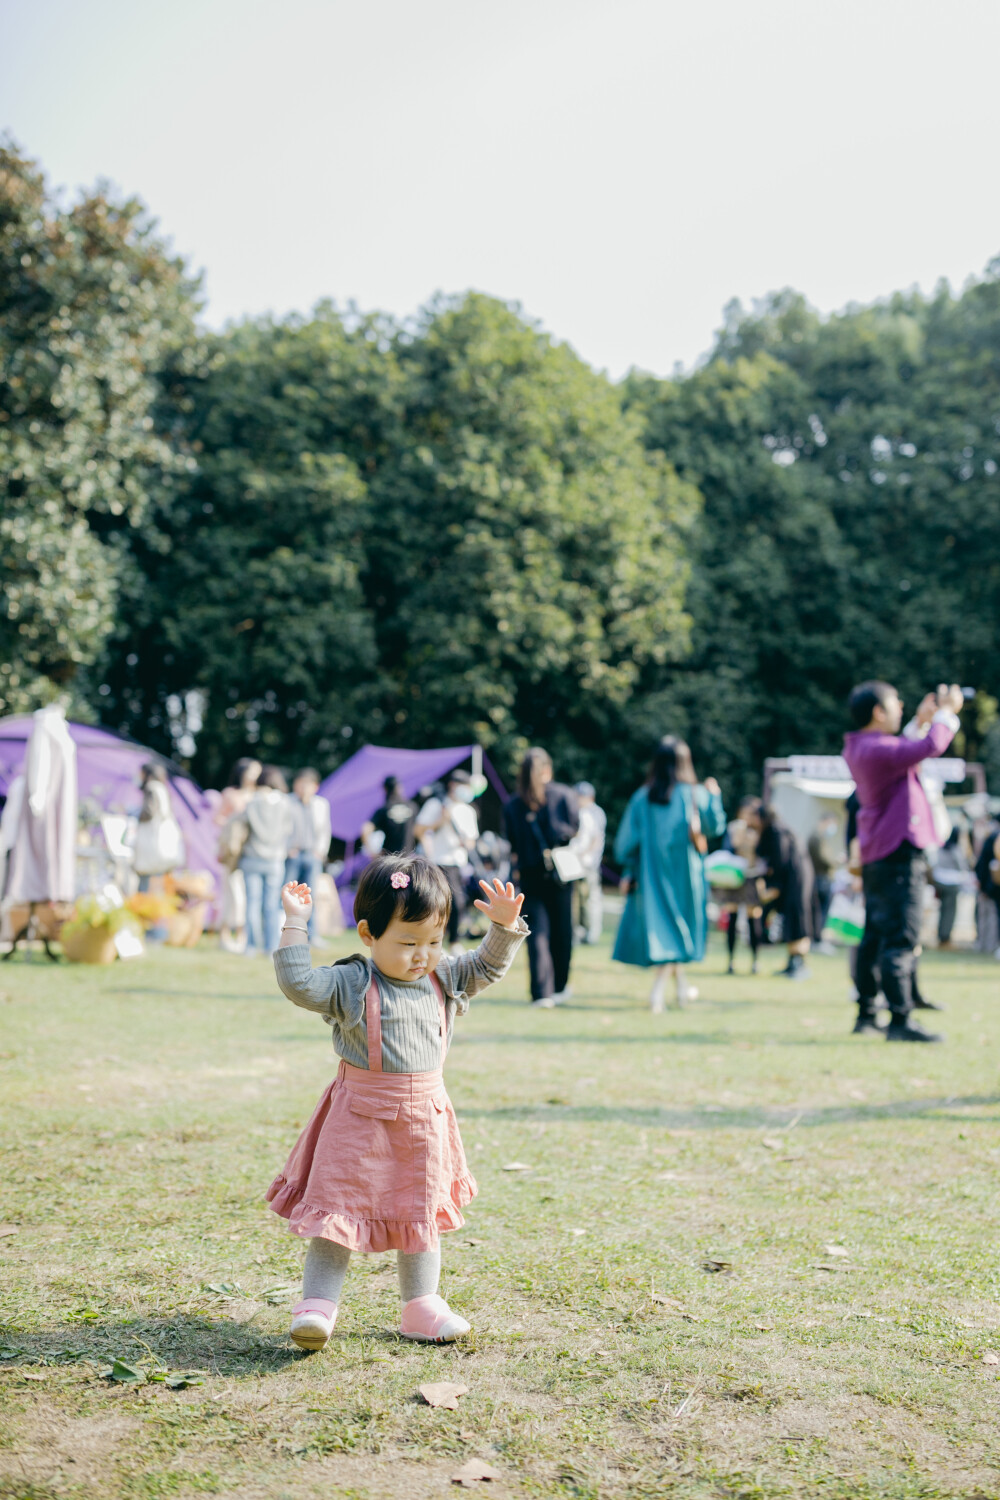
[[380, 1165]]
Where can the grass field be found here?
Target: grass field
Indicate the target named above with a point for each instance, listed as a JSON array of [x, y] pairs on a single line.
[[846, 1187]]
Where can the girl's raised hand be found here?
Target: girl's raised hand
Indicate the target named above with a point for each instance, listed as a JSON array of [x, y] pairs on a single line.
[[296, 899], [501, 905]]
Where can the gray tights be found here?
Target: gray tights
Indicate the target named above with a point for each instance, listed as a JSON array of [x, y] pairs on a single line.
[[326, 1267]]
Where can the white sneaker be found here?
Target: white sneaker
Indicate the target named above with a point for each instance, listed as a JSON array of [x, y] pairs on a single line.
[[547, 1002], [561, 996], [685, 991]]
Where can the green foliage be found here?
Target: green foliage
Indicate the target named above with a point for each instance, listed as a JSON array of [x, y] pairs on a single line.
[[526, 561], [300, 535], [851, 525], [415, 537], [246, 584], [89, 303]]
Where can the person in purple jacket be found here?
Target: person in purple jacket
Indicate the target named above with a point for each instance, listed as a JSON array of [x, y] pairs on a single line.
[[895, 826]]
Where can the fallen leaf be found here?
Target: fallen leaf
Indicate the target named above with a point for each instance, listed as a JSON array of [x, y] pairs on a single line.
[[989, 1358], [724, 1267], [578, 1231], [125, 1374], [517, 1166], [473, 1472], [835, 1250], [666, 1301], [764, 1327], [6, 1229], [275, 1295], [27, 1375], [770, 1144], [182, 1382], [443, 1393]]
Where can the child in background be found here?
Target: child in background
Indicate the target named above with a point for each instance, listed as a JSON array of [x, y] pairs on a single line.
[[380, 1165]]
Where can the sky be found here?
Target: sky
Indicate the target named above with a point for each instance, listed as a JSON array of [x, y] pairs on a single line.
[[619, 168]]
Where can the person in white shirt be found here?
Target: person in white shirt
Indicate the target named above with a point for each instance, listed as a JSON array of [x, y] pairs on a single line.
[[446, 830], [310, 841], [589, 845]]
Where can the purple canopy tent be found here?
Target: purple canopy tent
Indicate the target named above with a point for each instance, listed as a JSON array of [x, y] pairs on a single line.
[[356, 790], [108, 769]]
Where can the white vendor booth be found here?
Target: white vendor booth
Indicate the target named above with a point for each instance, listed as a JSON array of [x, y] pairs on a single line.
[[803, 789]]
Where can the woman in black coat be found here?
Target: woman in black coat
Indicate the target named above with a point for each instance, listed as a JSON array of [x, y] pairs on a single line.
[[790, 875], [542, 816]]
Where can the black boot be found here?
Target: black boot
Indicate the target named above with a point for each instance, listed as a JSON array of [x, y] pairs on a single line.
[[867, 1024], [919, 1003], [902, 1029]]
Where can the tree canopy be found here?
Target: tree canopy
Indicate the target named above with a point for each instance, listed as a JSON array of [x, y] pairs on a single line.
[[302, 534]]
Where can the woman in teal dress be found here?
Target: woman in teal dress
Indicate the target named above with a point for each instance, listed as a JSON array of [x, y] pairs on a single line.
[[664, 924]]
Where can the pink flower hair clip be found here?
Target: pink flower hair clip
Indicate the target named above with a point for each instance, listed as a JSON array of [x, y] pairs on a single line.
[[399, 880]]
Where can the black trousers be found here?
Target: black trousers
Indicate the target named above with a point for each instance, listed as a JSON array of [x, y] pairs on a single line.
[[548, 911], [459, 899], [894, 890]]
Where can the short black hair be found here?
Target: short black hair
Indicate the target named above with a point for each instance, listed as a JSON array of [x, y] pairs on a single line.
[[864, 700], [309, 771], [426, 893]]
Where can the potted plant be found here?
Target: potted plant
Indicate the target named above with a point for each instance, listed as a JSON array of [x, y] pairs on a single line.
[[89, 935]]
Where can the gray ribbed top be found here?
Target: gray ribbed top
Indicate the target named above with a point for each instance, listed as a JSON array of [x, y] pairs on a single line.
[[411, 1036]]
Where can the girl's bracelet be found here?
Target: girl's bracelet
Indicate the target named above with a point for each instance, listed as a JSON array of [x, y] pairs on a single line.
[[294, 926]]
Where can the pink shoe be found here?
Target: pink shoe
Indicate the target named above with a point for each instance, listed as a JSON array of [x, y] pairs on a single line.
[[312, 1322], [430, 1320]]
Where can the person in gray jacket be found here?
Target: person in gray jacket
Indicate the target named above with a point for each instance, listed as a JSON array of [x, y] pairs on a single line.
[[270, 825]]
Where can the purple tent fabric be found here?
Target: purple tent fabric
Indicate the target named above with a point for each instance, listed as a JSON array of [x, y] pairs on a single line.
[[355, 791], [108, 773]]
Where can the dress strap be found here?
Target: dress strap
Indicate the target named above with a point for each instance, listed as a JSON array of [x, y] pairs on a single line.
[[373, 1022], [435, 981], [373, 1025]]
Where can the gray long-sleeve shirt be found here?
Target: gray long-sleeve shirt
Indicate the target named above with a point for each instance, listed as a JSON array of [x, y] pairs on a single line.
[[411, 1037]]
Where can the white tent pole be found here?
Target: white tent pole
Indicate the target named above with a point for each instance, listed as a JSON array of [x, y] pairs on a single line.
[[477, 760]]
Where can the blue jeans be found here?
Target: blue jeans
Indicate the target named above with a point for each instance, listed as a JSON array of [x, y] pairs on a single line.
[[263, 883], [305, 868]]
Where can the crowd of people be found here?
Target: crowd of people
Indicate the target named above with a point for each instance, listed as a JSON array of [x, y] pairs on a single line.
[[552, 847], [267, 836]]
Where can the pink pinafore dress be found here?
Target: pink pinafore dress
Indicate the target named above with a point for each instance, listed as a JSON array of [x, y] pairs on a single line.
[[380, 1165]]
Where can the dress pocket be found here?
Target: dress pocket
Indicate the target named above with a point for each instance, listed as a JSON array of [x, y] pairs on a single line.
[[372, 1109]]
